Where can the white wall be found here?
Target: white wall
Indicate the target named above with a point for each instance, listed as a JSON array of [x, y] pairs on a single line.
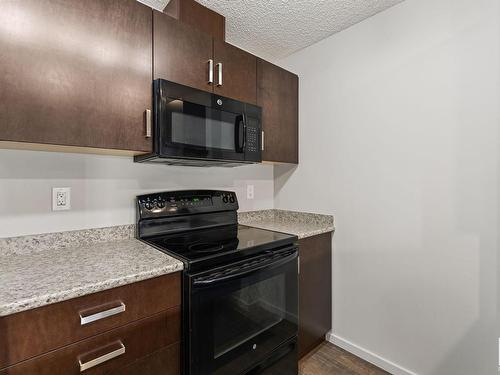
[[104, 188], [399, 139]]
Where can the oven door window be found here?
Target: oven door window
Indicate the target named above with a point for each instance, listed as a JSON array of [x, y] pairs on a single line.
[[237, 324], [199, 131]]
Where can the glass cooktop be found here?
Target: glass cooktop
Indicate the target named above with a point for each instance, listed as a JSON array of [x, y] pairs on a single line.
[[202, 244]]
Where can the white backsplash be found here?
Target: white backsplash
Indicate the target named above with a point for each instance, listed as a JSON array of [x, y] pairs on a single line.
[[103, 188]]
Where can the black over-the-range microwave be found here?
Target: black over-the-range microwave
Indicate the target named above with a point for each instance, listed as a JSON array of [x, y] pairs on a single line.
[[198, 128]]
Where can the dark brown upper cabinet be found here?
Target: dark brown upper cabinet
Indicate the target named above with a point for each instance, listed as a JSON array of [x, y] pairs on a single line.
[[181, 53], [185, 55], [198, 16], [235, 73], [277, 94], [75, 73]]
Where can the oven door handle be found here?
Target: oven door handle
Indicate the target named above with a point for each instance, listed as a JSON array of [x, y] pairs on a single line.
[[246, 271]]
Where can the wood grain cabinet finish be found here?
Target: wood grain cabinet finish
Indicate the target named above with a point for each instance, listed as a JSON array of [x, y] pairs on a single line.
[[277, 94], [75, 73], [136, 341], [315, 291], [198, 16], [181, 53], [239, 73], [34, 332]]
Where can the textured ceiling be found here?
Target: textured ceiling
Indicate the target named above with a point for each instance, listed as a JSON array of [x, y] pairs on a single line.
[[274, 29], [156, 4]]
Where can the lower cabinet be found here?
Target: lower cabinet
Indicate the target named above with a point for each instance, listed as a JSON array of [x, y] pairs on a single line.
[[114, 350], [133, 329], [315, 291]]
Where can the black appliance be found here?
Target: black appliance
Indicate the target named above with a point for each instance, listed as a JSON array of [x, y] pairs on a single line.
[[198, 128], [240, 284]]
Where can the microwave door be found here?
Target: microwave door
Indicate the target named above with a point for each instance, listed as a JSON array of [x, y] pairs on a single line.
[[195, 131]]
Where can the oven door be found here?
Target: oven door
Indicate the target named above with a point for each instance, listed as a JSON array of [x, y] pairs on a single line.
[[193, 130], [239, 315]]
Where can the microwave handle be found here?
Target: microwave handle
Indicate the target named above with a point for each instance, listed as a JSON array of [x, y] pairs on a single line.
[[237, 274], [239, 133]]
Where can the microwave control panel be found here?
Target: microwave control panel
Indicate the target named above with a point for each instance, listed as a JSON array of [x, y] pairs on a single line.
[[253, 141]]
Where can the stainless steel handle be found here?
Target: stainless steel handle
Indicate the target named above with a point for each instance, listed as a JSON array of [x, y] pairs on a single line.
[[210, 71], [219, 75], [102, 314], [262, 140], [104, 358], [148, 123]]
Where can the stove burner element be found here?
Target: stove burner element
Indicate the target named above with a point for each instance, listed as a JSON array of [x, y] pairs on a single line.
[[206, 247]]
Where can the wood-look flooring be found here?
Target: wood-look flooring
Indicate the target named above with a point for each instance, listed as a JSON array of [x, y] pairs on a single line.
[[328, 359]]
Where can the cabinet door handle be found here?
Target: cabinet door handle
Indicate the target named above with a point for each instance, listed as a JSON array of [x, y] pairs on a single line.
[[104, 358], [262, 140], [148, 123], [210, 71], [219, 74], [86, 319]]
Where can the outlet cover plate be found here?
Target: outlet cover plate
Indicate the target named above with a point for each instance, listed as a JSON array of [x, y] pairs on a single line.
[[61, 199], [250, 192]]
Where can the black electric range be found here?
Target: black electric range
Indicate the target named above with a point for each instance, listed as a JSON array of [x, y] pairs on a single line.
[[240, 284]]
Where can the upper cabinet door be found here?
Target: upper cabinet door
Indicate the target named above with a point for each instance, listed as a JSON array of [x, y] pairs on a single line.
[[235, 73], [75, 73], [182, 54], [277, 94]]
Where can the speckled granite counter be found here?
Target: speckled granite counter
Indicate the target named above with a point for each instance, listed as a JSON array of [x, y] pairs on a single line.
[[44, 269], [301, 224]]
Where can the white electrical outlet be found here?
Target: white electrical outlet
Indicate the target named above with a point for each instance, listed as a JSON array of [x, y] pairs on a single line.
[[250, 191], [61, 199]]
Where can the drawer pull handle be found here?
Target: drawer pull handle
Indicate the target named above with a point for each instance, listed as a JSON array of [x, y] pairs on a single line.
[[102, 314], [104, 358]]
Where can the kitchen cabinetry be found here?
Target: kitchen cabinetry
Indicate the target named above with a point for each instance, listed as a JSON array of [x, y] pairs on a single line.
[[315, 291], [277, 94], [76, 76], [198, 16], [75, 73], [181, 53], [122, 330], [185, 55], [235, 73]]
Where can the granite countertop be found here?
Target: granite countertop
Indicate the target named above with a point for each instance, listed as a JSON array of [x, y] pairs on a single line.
[[44, 269], [301, 224]]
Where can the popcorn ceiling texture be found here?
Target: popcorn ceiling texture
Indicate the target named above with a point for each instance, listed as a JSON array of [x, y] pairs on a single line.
[[274, 29]]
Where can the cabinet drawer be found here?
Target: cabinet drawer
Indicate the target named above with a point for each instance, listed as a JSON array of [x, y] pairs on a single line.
[[165, 361], [107, 353], [34, 332]]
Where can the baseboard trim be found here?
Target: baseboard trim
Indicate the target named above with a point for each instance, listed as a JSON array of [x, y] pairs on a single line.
[[368, 356]]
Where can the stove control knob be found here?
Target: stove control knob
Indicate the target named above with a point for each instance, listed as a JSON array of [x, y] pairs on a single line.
[[148, 205], [160, 204], [224, 199], [231, 199]]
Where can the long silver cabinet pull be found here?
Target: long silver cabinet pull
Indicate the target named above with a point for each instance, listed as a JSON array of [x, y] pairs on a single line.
[[210, 71], [262, 140], [86, 319], [148, 123], [219, 74], [104, 358]]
